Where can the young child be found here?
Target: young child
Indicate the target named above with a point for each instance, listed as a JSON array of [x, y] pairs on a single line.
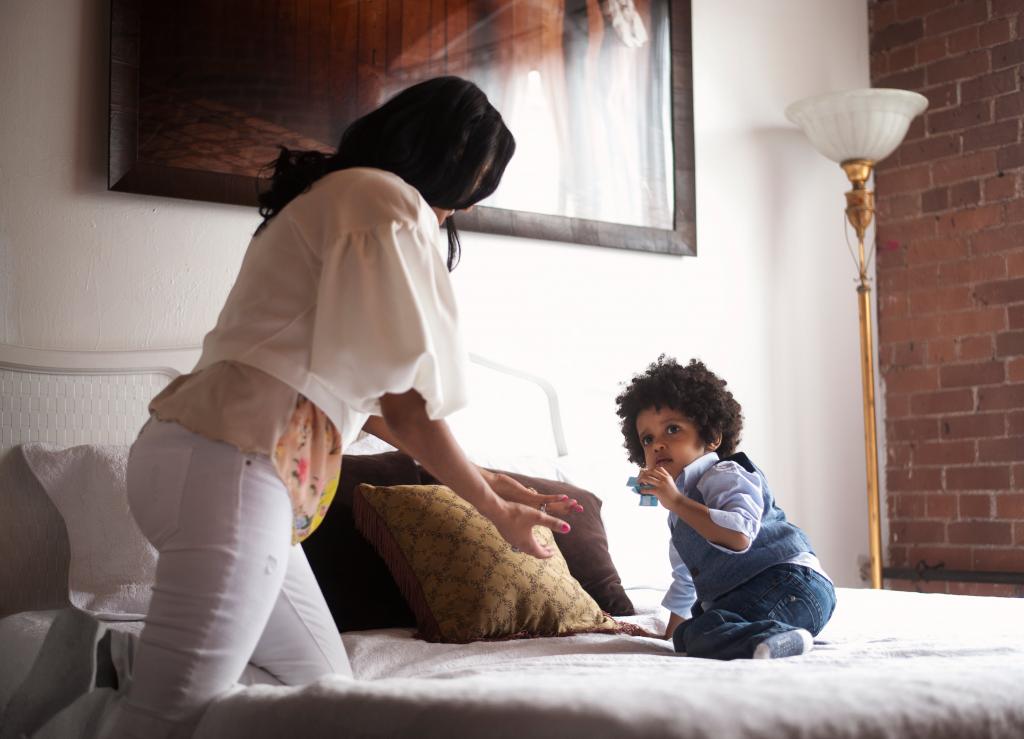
[[755, 587]]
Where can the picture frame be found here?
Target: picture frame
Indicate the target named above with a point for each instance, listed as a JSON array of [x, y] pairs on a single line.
[[175, 87]]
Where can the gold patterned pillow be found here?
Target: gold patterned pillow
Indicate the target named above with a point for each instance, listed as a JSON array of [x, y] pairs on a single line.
[[461, 578]]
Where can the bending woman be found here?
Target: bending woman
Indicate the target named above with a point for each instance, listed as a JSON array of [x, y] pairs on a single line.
[[342, 316]]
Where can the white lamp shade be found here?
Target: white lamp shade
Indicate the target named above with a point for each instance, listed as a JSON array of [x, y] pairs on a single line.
[[857, 124]]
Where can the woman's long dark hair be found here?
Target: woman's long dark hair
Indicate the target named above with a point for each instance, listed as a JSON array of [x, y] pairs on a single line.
[[442, 136]]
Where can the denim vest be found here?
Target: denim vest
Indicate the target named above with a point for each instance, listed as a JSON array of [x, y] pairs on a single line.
[[715, 572]]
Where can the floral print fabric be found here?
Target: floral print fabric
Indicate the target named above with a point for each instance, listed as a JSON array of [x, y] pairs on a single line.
[[308, 461]]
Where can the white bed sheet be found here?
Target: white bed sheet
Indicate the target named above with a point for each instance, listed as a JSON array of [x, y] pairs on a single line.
[[890, 664]]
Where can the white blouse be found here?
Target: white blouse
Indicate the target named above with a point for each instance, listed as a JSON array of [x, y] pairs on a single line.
[[344, 296]]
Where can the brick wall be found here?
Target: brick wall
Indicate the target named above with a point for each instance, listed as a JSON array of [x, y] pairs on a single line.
[[951, 287]]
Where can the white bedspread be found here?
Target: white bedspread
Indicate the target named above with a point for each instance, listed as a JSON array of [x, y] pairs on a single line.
[[893, 665]]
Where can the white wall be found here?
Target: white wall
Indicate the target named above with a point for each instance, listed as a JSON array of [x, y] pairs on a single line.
[[769, 303]]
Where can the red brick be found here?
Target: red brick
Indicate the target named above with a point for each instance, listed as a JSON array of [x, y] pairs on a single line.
[[940, 505], [958, 67], [1009, 106], [1018, 477], [927, 532], [913, 479], [1015, 263], [906, 505], [897, 406], [958, 16], [995, 134], [989, 85], [908, 79], [1001, 397], [892, 306], [917, 127], [1005, 7], [880, 15], [1010, 449], [969, 375], [943, 401], [936, 250], [962, 41], [973, 426], [939, 97], [982, 269], [907, 329], [1018, 533], [906, 354], [942, 350], [933, 200], [974, 506], [980, 532], [911, 379], [963, 116], [897, 455], [940, 300], [1010, 157], [902, 58], [1000, 239], [1005, 559], [1010, 505], [965, 194], [1010, 344], [1016, 314], [1000, 187], [994, 32], [878, 65], [1008, 54], [969, 220], [1000, 292], [930, 49], [917, 8], [1015, 211], [944, 452], [972, 348], [922, 277], [1015, 370], [977, 478], [958, 169], [909, 179], [970, 322], [985, 589], [896, 34], [917, 429], [1015, 423]]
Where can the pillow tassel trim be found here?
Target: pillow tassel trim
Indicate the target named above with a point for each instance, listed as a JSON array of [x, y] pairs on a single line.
[[373, 527]]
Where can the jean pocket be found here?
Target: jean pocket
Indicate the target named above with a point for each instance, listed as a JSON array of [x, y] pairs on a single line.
[[155, 479], [799, 606]]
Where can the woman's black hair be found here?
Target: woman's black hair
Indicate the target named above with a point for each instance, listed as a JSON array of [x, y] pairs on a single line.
[[693, 390], [441, 136]]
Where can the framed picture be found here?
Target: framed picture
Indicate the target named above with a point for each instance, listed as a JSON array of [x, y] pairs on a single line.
[[598, 94]]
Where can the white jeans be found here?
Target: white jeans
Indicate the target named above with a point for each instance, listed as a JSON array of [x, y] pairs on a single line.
[[230, 588]]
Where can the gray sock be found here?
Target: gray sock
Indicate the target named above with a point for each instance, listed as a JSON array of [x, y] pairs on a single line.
[[64, 669], [786, 644]]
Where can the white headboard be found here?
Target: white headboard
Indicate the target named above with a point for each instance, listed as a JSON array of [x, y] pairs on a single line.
[[81, 397]]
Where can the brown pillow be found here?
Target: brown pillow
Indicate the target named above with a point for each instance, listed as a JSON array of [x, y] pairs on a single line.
[[585, 547], [356, 583], [461, 578]]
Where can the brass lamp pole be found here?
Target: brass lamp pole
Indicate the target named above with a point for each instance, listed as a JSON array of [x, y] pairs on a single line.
[[860, 209], [857, 129]]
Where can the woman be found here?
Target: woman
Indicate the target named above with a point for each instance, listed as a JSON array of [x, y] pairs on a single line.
[[342, 318]]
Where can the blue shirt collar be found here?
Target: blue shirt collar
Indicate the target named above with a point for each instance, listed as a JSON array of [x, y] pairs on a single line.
[[687, 480]]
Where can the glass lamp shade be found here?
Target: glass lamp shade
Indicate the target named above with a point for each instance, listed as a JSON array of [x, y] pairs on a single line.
[[857, 124]]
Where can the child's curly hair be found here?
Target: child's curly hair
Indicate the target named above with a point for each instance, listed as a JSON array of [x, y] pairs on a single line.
[[693, 390]]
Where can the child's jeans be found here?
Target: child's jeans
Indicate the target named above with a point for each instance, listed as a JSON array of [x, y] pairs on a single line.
[[782, 598]]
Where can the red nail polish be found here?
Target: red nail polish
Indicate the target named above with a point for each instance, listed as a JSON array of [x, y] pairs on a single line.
[[564, 497], [565, 528]]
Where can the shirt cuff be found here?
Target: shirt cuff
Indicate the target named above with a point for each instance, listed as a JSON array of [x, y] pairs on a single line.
[[734, 522]]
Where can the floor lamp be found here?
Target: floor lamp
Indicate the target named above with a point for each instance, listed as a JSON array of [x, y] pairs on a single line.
[[857, 129]]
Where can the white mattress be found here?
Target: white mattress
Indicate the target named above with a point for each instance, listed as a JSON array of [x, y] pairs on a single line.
[[890, 664]]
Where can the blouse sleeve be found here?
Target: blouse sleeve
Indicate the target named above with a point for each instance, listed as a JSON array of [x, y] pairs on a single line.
[[386, 321]]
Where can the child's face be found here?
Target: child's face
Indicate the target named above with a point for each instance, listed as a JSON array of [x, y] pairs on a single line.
[[669, 439]]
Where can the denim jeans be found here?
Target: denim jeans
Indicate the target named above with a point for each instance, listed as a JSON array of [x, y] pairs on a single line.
[[782, 598]]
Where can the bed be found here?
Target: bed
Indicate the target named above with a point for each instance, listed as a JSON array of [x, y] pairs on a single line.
[[890, 664]]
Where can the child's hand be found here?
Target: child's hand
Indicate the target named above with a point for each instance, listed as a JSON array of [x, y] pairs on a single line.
[[662, 486]]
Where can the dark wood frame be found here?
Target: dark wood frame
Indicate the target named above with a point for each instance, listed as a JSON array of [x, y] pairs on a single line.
[[127, 174]]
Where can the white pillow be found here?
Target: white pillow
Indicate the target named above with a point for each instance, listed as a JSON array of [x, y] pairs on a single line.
[[112, 564]]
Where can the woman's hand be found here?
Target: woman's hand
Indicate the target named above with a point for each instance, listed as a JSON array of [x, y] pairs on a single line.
[[511, 490], [515, 523], [662, 486]]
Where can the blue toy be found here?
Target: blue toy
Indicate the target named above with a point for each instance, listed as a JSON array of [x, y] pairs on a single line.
[[646, 499]]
